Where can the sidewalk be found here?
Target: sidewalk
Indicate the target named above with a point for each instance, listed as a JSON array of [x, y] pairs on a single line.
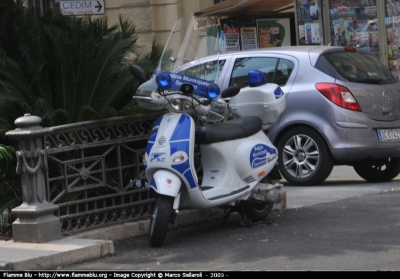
[[84, 246]]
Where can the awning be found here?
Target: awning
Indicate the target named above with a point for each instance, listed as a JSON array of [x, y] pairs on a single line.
[[243, 6]]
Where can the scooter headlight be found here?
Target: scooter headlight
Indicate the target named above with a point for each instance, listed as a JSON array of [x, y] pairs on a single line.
[[164, 80], [212, 91], [176, 104], [256, 78]]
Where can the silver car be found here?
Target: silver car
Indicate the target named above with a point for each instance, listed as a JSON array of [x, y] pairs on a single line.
[[343, 108]]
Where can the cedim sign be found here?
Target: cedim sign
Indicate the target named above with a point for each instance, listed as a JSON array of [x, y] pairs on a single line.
[[95, 7]]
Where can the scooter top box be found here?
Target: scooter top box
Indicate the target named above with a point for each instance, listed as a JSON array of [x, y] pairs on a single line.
[[261, 101]]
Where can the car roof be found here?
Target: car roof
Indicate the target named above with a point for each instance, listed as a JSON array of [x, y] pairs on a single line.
[[314, 52]]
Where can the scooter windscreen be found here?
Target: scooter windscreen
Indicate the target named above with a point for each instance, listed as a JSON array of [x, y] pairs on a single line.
[[190, 56], [192, 39]]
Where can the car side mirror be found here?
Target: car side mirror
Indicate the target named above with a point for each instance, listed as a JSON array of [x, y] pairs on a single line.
[[138, 72], [230, 92]]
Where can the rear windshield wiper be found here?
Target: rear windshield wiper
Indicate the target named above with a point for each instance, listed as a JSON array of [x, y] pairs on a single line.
[[366, 80]]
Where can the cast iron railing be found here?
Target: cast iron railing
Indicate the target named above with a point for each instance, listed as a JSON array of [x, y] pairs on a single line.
[[84, 175], [95, 172]]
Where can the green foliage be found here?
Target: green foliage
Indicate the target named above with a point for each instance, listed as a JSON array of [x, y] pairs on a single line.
[[10, 188], [64, 70], [6, 217], [67, 69], [7, 157]]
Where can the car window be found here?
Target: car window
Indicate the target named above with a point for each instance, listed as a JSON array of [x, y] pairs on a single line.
[[282, 74], [276, 70], [207, 71], [358, 67]]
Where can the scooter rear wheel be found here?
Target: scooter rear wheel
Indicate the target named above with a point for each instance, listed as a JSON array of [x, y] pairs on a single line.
[[258, 212], [160, 219]]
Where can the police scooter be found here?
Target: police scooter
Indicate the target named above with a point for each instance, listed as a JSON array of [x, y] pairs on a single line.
[[236, 156]]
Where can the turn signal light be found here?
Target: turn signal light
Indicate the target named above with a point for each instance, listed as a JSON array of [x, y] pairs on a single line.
[[261, 173], [338, 95], [178, 159]]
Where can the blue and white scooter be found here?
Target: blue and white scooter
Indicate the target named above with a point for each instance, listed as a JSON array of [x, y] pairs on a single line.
[[236, 156]]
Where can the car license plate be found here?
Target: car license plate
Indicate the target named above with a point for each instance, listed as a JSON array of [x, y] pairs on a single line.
[[389, 135]]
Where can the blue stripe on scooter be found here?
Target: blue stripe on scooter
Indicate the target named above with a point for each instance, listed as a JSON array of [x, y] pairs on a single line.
[[154, 131], [190, 178], [152, 138], [153, 184], [183, 168], [180, 141], [182, 130], [179, 146]]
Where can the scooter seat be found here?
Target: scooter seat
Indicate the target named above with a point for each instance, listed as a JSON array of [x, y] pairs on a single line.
[[230, 130]]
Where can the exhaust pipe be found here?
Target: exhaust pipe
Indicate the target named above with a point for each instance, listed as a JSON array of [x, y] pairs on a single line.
[[271, 196]]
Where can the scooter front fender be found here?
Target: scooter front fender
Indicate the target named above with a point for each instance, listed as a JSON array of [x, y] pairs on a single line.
[[166, 183]]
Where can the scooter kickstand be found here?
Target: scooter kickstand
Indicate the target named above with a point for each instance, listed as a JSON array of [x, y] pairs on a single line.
[[245, 222], [226, 214]]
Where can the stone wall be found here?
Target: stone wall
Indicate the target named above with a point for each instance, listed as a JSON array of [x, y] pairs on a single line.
[[153, 18]]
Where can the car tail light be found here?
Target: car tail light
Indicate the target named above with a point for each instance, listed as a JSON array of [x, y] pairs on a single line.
[[338, 95]]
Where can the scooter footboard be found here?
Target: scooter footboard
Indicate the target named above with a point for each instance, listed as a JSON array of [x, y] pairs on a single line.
[[166, 183]]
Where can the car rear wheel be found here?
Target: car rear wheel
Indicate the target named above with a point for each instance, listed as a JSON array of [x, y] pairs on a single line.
[[378, 170], [304, 159]]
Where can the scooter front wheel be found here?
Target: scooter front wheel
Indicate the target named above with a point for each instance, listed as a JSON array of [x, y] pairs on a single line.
[[160, 219]]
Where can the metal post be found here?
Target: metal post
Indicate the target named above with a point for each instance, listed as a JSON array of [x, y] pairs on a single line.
[[35, 219]]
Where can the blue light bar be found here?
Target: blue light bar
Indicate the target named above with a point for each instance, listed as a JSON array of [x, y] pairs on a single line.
[[164, 80], [212, 91], [256, 78]]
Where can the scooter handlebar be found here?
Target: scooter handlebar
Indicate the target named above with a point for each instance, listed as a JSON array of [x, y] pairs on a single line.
[[178, 102]]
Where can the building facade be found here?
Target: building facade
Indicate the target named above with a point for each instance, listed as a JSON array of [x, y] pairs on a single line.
[[153, 18], [369, 24]]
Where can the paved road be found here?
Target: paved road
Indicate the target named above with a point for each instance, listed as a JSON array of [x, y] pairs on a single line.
[[344, 224]]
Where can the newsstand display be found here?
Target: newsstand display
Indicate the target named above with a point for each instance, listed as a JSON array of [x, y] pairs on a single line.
[[354, 23], [253, 32], [392, 21], [308, 15]]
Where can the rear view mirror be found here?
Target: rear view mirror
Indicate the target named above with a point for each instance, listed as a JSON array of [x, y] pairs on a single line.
[[230, 92], [138, 72]]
